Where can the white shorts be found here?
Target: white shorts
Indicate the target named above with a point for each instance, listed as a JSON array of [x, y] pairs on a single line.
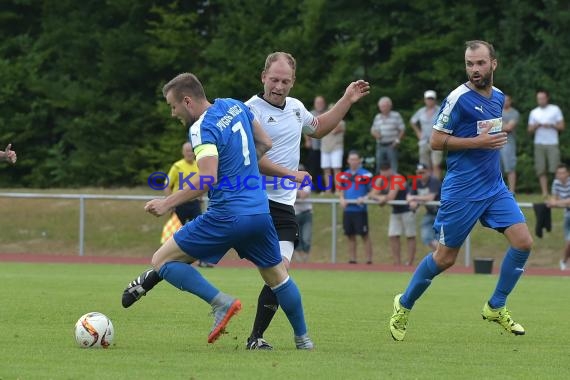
[[287, 248], [332, 160], [402, 224]]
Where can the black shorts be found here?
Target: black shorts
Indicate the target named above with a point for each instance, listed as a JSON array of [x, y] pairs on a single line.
[[355, 223], [284, 221], [188, 211]]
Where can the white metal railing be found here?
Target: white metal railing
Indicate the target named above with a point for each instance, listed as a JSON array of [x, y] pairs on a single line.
[[332, 201]]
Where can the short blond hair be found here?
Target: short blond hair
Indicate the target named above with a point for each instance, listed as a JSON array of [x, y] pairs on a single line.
[[275, 56], [185, 84]]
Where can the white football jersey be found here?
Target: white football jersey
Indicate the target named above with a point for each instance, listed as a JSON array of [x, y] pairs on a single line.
[[284, 125]]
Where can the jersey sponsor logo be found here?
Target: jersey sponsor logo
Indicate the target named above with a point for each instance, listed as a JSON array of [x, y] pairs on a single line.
[[479, 108], [496, 125], [271, 120]]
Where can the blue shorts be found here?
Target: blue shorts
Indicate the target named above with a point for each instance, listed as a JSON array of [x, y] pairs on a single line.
[[456, 219], [210, 237]]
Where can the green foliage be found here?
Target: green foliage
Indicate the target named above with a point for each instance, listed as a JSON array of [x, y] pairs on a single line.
[[80, 82]]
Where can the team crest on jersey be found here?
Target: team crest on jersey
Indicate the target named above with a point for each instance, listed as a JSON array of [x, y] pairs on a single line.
[[298, 114], [442, 120]]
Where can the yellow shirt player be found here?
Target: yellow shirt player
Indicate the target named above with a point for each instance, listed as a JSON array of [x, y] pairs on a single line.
[[189, 210]]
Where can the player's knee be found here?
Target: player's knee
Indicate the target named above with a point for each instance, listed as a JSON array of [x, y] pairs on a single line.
[[446, 262], [156, 262], [275, 275], [524, 244], [444, 259]]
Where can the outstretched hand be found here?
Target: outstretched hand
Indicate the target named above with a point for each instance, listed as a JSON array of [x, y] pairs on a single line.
[[10, 155], [357, 90], [491, 140]]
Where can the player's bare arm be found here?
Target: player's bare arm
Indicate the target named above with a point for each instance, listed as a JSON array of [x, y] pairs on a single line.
[[444, 141], [208, 176], [268, 167], [330, 119], [262, 140]]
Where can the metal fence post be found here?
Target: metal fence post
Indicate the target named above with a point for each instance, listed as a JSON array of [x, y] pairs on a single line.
[[333, 233], [81, 225]]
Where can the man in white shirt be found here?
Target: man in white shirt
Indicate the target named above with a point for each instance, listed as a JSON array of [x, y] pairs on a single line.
[[285, 119], [545, 122]]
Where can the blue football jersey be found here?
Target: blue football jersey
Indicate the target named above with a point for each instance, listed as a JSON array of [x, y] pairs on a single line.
[[472, 174], [228, 125], [355, 190]]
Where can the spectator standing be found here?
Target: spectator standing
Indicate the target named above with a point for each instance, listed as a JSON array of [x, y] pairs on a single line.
[[545, 122], [388, 129], [509, 151], [561, 198], [355, 216], [390, 186], [313, 145], [332, 150], [422, 124], [426, 189], [304, 216]]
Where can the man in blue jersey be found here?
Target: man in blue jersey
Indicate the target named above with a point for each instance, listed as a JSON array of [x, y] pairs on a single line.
[[355, 186], [227, 143], [469, 127]]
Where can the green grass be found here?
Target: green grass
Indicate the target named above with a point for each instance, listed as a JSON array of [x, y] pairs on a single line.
[[164, 336], [122, 228]]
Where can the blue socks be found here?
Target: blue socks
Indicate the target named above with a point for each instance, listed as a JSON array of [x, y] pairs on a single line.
[[290, 301], [425, 272], [511, 270], [185, 277]]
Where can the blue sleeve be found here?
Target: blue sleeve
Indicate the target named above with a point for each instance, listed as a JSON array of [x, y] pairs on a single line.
[[209, 132], [448, 117]]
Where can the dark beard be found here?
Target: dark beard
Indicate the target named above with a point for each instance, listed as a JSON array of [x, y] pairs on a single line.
[[485, 82]]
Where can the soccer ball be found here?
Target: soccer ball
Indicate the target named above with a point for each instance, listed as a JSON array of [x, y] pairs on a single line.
[[94, 330]]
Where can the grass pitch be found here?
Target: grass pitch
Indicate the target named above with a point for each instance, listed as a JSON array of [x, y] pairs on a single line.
[[164, 335]]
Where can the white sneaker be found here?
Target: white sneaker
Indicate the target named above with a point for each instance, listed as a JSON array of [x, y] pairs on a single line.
[[303, 342], [563, 265]]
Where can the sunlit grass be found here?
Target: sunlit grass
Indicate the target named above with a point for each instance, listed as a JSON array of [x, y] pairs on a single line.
[[164, 335]]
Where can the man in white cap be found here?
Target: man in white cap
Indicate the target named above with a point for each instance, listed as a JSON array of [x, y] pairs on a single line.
[[422, 123]]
